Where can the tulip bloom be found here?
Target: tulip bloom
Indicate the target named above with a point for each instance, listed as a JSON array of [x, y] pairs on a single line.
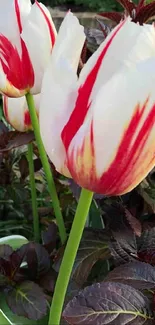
[[17, 114], [27, 35], [100, 128]]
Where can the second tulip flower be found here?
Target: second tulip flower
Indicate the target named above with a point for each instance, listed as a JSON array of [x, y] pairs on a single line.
[[27, 35]]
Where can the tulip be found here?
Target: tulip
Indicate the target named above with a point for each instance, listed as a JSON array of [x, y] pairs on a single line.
[[27, 35], [17, 114], [100, 128]]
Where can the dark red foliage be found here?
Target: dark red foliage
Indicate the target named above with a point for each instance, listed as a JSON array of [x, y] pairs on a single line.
[[147, 256], [114, 16], [139, 13], [25, 285], [128, 5]]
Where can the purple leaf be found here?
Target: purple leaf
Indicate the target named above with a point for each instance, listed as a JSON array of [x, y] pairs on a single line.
[[137, 274], [3, 128], [109, 303], [9, 262], [47, 282], [5, 252], [28, 300], [134, 223], [92, 248], [37, 258], [147, 256], [14, 139], [147, 240], [122, 239], [49, 237]]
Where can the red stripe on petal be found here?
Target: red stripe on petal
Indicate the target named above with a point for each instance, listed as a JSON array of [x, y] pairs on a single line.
[[27, 119], [18, 70], [82, 104], [129, 152], [28, 72], [52, 32], [18, 16], [5, 107], [133, 160]]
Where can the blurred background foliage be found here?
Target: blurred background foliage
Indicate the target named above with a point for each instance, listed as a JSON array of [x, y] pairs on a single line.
[[105, 5]]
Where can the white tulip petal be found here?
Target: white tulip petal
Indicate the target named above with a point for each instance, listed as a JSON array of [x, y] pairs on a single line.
[[9, 21], [39, 35], [127, 44], [69, 43], [17, 114], [59, 90], [25, 9]]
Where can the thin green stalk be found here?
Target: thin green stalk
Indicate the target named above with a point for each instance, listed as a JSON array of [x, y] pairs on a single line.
[[33, 194], [69, 256], [47, 169], [4, 320]]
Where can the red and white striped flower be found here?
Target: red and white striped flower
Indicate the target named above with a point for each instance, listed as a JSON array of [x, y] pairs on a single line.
[[100, 128], [27, 35], [17, 113]]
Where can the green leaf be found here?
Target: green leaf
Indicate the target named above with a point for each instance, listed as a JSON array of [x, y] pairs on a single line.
[[109, 303], [27, 300], [15, 241]]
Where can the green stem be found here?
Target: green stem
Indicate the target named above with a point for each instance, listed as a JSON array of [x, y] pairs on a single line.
[[47, 169], [33, 194], [69, 256]]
